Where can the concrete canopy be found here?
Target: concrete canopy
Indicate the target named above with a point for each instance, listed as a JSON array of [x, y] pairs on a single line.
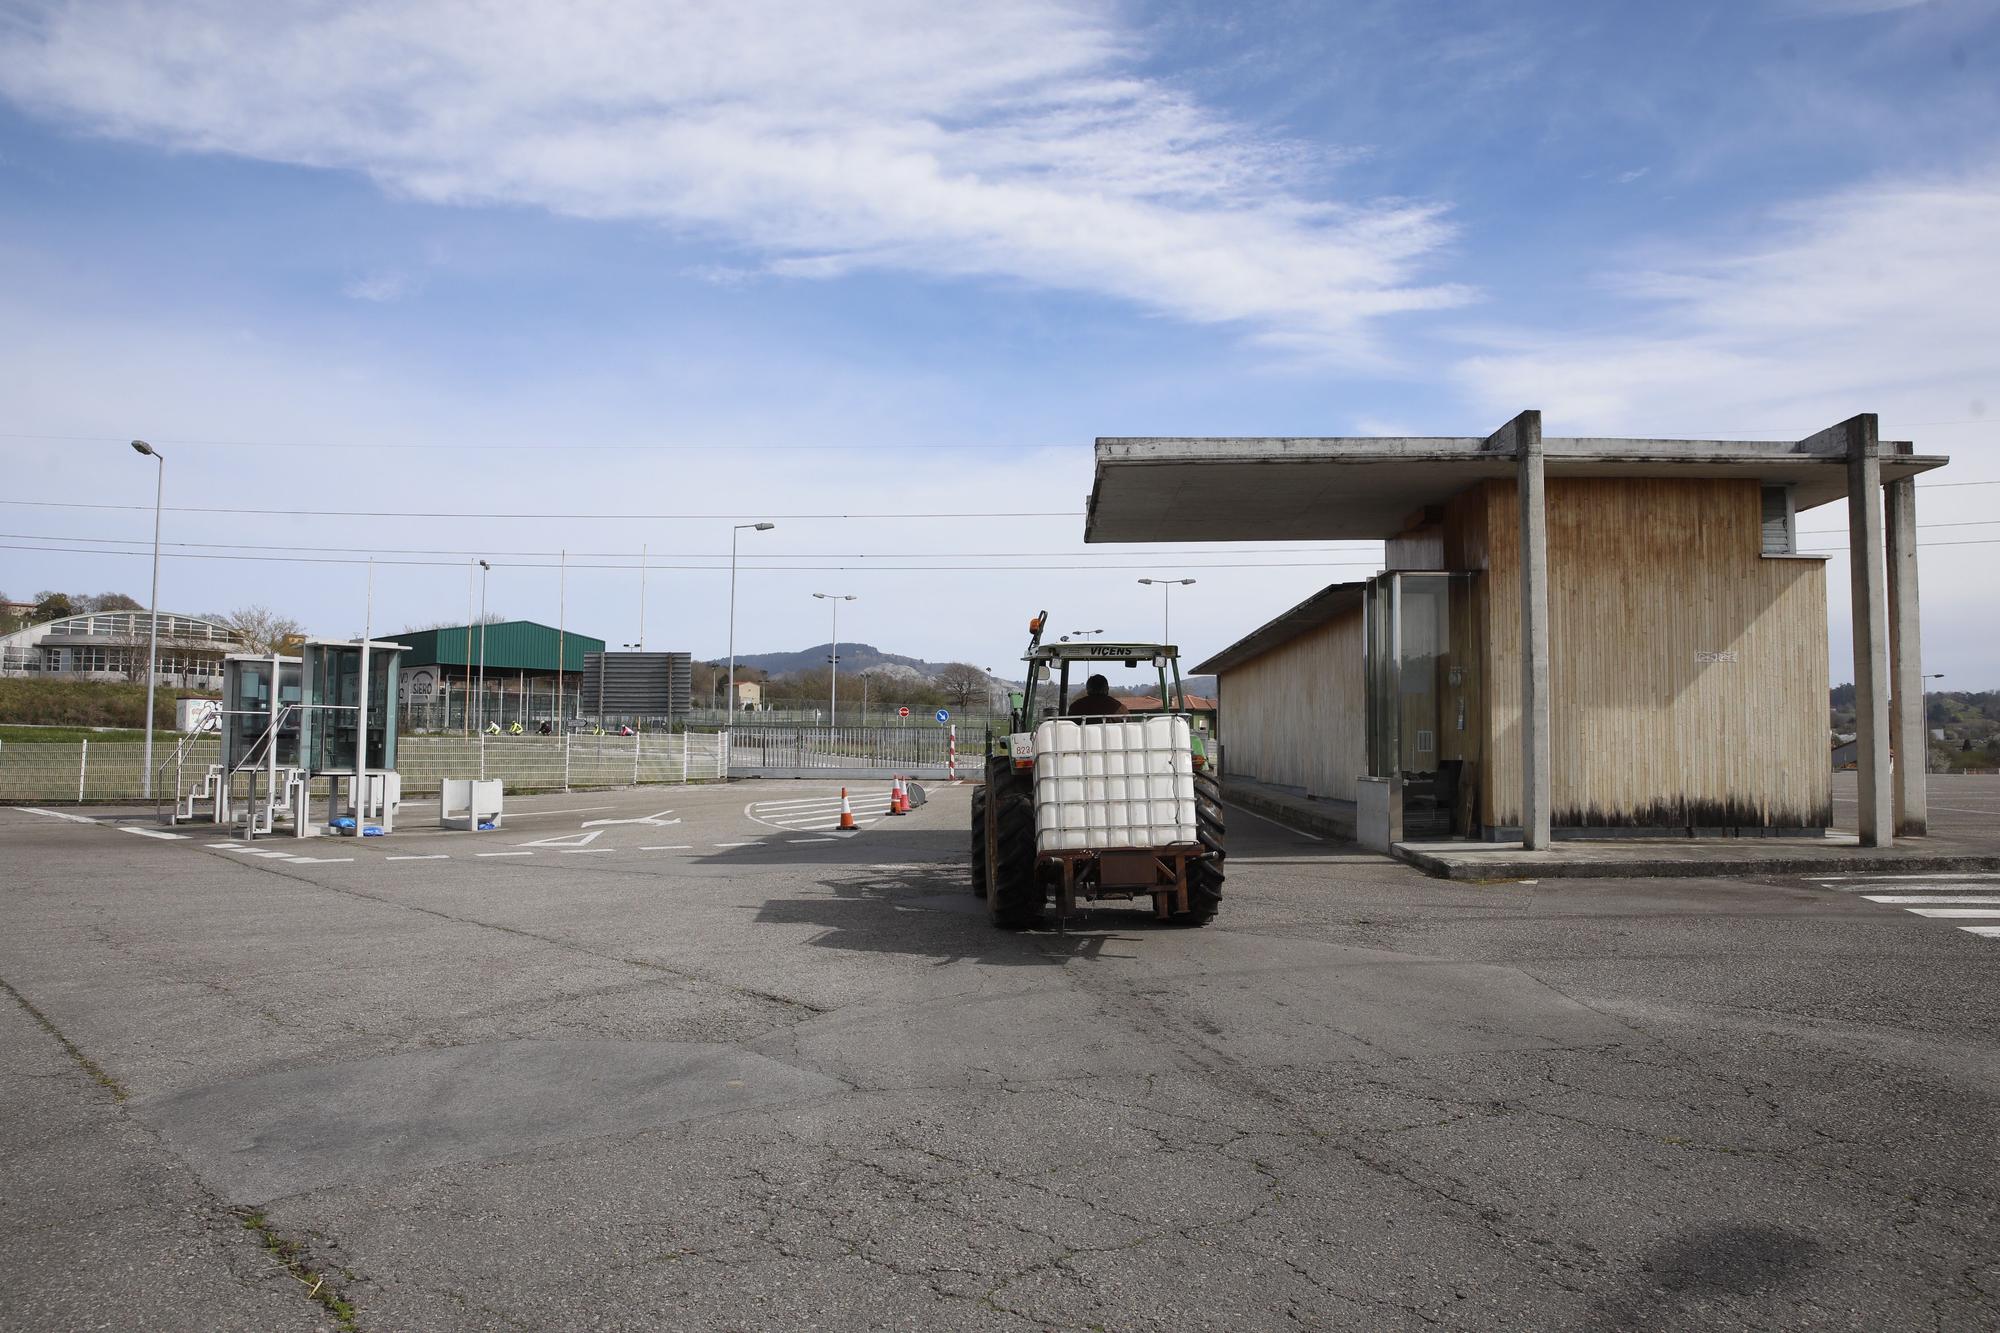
[[1332, 489]]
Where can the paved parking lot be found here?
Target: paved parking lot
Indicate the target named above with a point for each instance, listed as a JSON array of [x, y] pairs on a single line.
[[691, 1057]]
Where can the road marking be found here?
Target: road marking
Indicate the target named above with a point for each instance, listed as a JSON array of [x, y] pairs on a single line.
[[809, 800], [320, 860], [1933, 899], [585, 851], [676, 847], [435, 856], [565, 840], [503, 853], [657, 820], [758, 843], [799, 840], [566, 810], [151, 832], [1831, 879], [1957, 911], [1240, 810], [1990, 932], [59, 814]]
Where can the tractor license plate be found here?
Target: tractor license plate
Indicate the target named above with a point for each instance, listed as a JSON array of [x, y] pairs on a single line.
[[1127, 869]]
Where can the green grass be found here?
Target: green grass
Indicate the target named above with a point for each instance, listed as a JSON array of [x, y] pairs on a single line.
[[71, 735], [85, 703], [291, 1256]]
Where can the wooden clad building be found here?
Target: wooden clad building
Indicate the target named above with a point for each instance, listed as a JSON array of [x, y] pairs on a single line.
[[1568, 636]]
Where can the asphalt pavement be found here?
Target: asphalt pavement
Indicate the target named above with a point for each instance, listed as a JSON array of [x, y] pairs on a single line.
[[698, 1058]]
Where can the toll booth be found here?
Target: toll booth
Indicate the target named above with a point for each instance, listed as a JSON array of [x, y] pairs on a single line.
[[336, 743], [260, 697]]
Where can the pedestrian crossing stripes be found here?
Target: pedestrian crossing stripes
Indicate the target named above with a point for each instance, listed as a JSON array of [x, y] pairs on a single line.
[[1970, 902]]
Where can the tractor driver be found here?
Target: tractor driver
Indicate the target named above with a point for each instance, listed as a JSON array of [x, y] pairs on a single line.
[[1096, 700]]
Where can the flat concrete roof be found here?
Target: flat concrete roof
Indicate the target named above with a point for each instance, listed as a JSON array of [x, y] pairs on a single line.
[[1292, 488], [1333, 600]]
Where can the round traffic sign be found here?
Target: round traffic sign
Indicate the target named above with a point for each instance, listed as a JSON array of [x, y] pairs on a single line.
[[944, 715], [902, 712]]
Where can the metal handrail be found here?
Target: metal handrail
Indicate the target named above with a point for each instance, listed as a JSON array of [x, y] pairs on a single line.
[[255, 749]]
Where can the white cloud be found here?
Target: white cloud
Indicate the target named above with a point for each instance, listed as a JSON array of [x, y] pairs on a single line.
[[1870, 299], [1007, 141], [382, 288]]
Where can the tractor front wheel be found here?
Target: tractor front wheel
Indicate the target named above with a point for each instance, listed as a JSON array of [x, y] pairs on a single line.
[[979, 842]]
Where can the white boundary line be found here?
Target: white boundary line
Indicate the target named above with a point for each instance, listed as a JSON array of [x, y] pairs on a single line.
[[56, 814]]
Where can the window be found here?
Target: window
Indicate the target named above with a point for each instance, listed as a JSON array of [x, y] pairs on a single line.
[[1780, 522]]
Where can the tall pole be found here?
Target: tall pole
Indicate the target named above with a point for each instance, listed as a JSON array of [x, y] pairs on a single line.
[[833, 691], [730, 702], [562, 623], [484, 570], [466, 711], [357, 800], [1166, 586], [153, 634]]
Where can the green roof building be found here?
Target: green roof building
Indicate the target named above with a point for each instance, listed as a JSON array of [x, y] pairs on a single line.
[[511, 646]]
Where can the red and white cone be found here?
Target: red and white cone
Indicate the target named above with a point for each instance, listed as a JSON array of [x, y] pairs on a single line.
[[846, 812], [899, 804]]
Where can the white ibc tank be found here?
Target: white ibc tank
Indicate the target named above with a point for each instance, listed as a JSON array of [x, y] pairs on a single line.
[[1113, 784]]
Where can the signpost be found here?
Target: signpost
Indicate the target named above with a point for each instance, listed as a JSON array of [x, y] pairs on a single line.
[[903, 711], [943, 715]]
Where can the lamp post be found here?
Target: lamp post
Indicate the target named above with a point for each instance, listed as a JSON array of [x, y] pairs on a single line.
[[755, 527], [833, 683], [484, 570], [153, 635], [1924, 705], [1167, 586], [1086, 633]]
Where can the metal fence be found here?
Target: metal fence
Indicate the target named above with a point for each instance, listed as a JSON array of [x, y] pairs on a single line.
[[890, 749], [114, 770]]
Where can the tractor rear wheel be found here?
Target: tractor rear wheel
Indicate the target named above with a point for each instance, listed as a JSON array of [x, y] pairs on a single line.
[[1014, 897], [1205, 876], [979, 842]]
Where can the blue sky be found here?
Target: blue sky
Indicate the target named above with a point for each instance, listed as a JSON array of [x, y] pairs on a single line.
[[895, 258]]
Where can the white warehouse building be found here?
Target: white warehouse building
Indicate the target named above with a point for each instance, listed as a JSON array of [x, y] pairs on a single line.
[[112, 645]]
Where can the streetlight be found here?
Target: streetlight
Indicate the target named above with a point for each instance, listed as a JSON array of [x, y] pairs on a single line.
[[1924, 705], [754, 527], [1167, 586], [833, 684], [153, 636], [1086, 633], [484, 570]]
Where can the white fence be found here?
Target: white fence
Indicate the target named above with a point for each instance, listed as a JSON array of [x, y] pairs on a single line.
[[113, 770]]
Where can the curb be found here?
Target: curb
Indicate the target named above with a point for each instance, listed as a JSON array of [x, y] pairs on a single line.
[[1650, 868]]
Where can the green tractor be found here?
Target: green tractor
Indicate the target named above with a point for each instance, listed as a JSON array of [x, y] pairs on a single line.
[[1082, 800]]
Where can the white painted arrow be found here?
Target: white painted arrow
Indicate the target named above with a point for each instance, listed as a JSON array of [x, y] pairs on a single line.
[[565, 840], [657, 821]]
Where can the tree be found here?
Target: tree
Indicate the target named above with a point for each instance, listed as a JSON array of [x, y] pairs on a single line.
[[108, 601], [261, 629], [961, 684], [52, 606]]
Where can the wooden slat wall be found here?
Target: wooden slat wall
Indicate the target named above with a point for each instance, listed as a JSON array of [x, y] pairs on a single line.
[[1294, 716], [1643, 576]]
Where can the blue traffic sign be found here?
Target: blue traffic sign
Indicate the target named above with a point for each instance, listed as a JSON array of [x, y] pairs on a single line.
[[944, 715]]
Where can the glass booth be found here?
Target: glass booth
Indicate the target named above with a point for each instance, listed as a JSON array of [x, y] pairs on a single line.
[[1423, 714], [332, 687]]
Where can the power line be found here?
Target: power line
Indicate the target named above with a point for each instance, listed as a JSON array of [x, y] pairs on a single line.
[[668, 555], [710, 569], [648, 518], [560, 446]]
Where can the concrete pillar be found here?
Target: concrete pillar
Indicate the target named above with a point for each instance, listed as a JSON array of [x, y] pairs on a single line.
[[1871, 637], [1524, 435], [1906, 661]]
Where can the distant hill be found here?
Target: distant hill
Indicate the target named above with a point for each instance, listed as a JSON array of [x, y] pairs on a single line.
[[853, 657]]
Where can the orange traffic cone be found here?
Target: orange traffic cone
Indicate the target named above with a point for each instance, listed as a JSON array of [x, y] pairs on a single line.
[[846, 812], [899, 804]]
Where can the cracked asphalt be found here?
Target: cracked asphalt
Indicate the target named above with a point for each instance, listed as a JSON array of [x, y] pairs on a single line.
[[695, 1073]]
